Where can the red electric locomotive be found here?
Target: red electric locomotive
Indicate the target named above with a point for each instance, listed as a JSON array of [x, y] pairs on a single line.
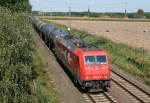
[[88, 65]]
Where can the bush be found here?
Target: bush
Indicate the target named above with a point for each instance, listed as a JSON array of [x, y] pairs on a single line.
[[16, 5], [15, 58]]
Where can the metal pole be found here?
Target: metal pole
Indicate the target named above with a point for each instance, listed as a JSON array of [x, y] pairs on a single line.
[[88, 11], [51, 13], [70, 16], [69, 11], [125, 14]]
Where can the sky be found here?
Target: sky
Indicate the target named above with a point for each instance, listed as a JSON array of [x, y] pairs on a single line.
[[94, 5]]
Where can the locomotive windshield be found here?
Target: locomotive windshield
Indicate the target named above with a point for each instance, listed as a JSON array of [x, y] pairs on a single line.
[[95, 60], [90, 60], [101, 59]]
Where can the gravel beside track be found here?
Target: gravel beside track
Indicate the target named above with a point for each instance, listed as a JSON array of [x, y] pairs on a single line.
[[134, 91]]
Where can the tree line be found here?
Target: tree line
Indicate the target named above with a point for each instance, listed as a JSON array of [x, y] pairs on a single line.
[[139, 14]]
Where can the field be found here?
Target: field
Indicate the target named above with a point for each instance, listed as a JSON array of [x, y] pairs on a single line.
[[94, 18], [135, 34]]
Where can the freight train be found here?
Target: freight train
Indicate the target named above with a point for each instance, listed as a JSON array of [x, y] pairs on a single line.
[[88, 65]]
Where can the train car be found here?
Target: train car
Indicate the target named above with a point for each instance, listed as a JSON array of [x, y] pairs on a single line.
[[34, 21], [46, 31], [57, 34], [39, 25], [88, 65], [35, 24], [42, 28]]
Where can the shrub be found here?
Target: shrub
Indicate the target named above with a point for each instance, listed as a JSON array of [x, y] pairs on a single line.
[[15, 58]]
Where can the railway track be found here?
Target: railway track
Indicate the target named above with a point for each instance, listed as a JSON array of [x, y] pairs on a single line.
[[103, 97], [135, 93]]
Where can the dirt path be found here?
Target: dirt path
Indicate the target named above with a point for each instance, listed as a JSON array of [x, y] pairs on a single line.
[[68, 93], [136, 34]]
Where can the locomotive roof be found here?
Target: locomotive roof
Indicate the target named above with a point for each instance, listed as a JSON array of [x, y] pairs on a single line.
[[74, 43]]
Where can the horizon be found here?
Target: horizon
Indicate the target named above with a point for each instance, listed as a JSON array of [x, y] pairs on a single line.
[[86, 11], [93, 5]]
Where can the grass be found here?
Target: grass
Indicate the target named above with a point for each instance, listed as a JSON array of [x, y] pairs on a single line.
[[135, 61], [43, 84]]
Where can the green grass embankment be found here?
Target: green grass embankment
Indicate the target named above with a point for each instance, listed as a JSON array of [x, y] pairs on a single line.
[[23, 78], [135, 61], [43, 84]]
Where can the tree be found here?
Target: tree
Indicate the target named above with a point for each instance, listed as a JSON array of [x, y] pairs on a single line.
[[140, 12], [16, 66], [16, 5]]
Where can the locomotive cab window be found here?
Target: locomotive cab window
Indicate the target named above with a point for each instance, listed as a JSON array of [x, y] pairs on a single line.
[[101, 59], [89, 60]]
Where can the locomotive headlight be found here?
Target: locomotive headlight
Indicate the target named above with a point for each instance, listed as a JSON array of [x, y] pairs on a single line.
[[105, 76], [87, 77]]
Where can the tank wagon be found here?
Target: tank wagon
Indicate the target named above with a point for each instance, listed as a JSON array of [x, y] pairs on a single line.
[[37, 24], [34, 21], [46, 31], [49, 33], [88, 65], [57, 34]]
